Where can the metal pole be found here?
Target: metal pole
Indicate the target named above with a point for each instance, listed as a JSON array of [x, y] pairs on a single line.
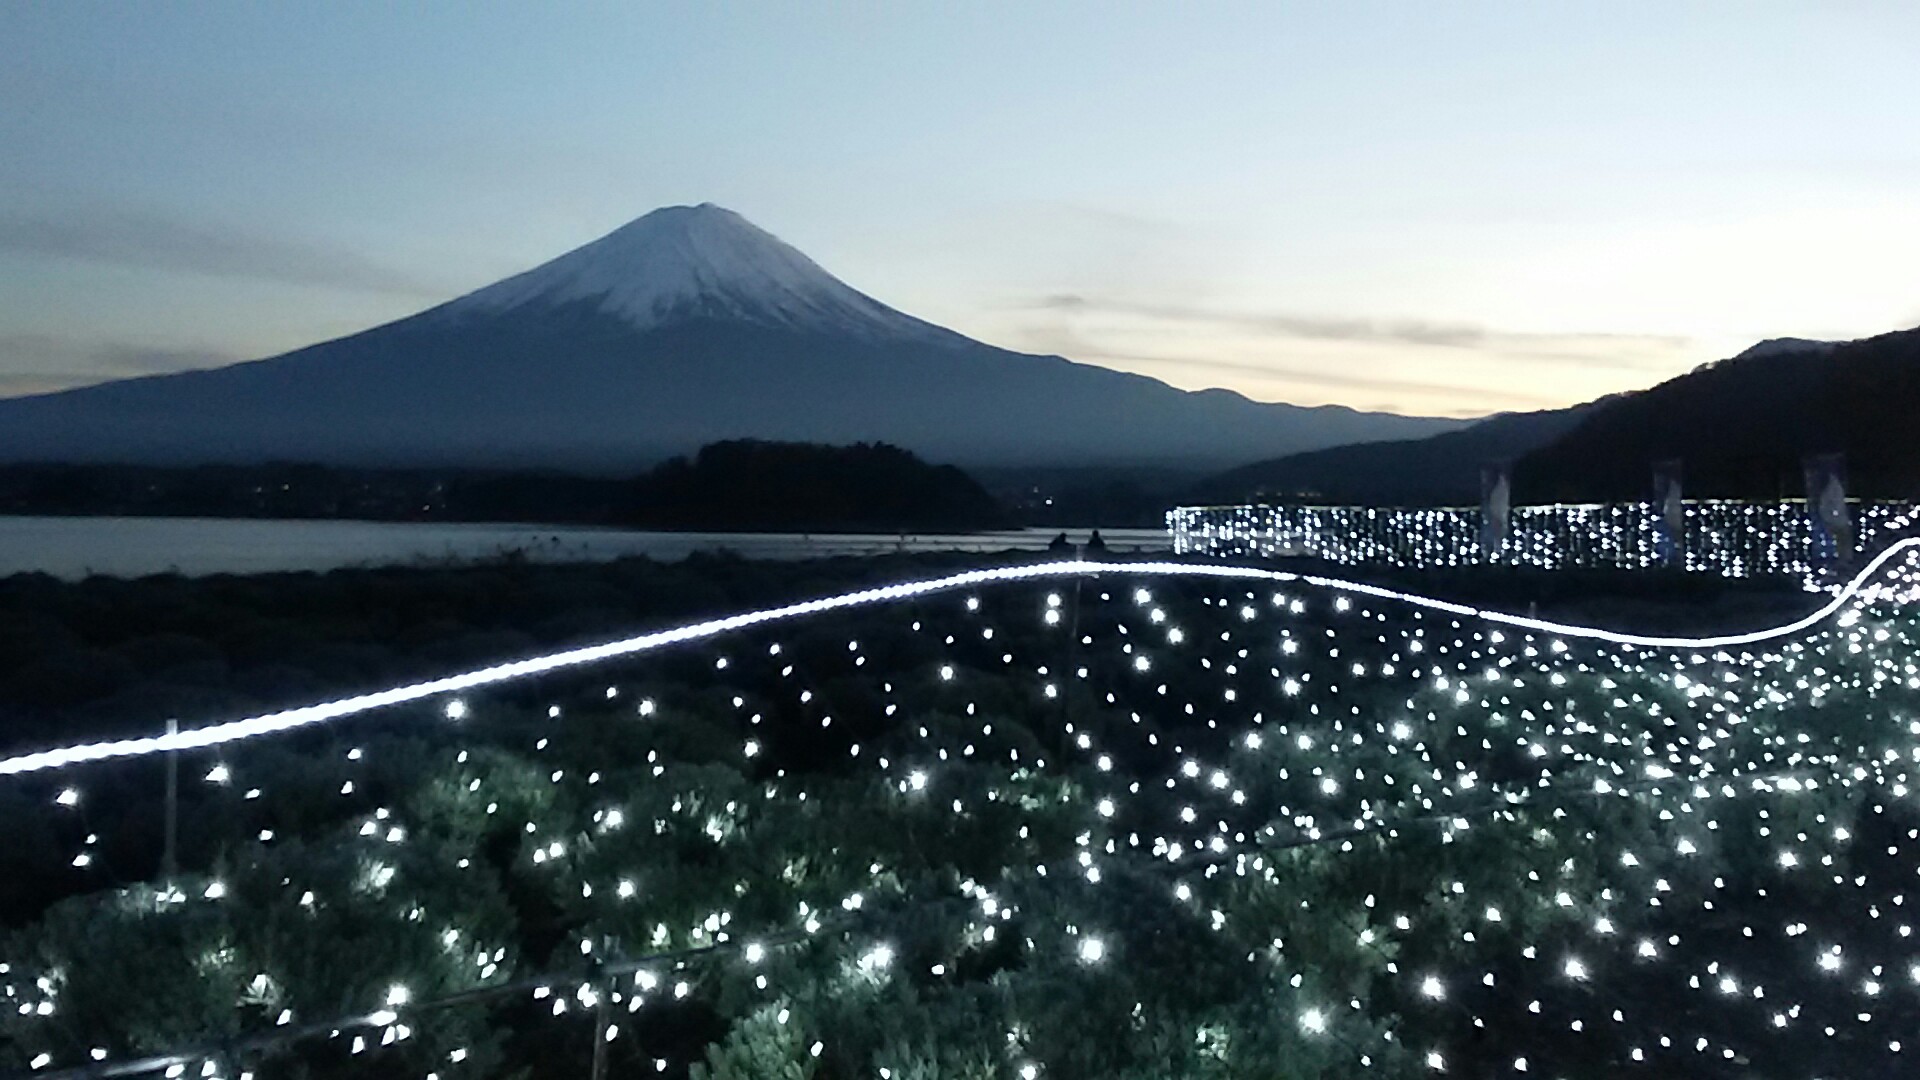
[[602, 1019], [169, 854], [1067, 672]]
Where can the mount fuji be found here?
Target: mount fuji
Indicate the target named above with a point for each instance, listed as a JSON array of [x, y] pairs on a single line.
[[684, 327]]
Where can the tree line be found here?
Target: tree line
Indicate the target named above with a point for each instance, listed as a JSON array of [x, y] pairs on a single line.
[[742, 484]]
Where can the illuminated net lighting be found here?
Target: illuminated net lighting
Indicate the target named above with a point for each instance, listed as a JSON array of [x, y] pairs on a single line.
[[1685, 854], [1728, 538], [216, 734]]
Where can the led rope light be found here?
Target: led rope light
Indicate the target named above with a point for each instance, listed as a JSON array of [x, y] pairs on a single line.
[[1826, 610], [287, 720]]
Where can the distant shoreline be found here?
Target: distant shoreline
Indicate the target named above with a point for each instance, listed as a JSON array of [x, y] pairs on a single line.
[[74, 546], [527, 523]]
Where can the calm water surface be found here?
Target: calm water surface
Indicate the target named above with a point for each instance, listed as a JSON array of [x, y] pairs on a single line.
[[74, 547]]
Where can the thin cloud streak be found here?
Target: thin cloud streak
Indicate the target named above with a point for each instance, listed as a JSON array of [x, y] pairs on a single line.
[[130, 359], [131, 237], [42, 364], [1339, 380], [28, 383], [1415, 332], [1064, 341]]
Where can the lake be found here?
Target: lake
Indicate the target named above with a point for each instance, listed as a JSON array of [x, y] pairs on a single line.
[[75, 547]]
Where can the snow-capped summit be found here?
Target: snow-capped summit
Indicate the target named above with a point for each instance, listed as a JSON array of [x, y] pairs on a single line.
[[705, 261]]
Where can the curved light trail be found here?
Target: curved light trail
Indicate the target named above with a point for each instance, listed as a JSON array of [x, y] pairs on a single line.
[[306, 716]]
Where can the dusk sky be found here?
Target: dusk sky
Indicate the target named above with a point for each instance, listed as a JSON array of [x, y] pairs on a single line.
[[1391, 206]]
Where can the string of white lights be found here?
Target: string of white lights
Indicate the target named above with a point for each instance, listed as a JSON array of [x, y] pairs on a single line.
[[1820, 614], [1786, 753], [1725, 537], [287, 720]]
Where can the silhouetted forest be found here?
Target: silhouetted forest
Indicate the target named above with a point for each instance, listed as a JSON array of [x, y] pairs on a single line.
[[744, 485], [1108, 497], [748, 483]]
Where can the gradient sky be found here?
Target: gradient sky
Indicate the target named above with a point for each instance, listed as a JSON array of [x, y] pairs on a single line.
[[1397, 206]]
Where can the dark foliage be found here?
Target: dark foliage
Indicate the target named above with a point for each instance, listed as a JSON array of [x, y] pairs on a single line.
[[749, 483], [1104, 497], [391, 829], [111, 657], [732, 485]]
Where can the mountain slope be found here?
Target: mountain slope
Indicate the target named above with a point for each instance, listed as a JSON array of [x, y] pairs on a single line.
[[1441, 469], [685, 327], [1742, 426]]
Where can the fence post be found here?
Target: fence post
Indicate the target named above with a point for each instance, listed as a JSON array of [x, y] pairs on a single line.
[[601, 1020], [1496, 509], [602, 1011], [169, 853]]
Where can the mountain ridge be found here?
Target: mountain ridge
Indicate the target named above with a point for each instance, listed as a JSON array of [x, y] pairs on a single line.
[[1438, 469], [1739, 426], [685, 327]]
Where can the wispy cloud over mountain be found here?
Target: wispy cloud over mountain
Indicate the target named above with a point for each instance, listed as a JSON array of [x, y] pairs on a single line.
[[1396, 394], [133, 236], [1615, 350], [43, 363]]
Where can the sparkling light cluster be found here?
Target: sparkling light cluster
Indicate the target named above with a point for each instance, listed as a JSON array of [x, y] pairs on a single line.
[[1730, 538], [1411, 837], [291, 719]]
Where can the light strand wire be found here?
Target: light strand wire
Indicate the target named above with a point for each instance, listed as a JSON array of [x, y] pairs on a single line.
[[291, 719]]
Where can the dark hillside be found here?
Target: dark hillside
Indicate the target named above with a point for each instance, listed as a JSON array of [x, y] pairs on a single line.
[[1742, 426], [1435, 471]]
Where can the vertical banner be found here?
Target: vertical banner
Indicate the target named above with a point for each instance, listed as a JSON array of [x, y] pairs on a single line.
[[1827, 517], [1496, 506], [1669, 515]]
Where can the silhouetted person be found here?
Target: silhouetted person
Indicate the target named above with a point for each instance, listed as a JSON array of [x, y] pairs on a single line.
[[1059, 543], [1094, 543]]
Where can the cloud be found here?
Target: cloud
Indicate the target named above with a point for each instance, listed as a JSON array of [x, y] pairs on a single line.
[[131, 237], [1065, 341], [25, 383], [1607, 350], [42, 363], [128, 359], [1346, 380]]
